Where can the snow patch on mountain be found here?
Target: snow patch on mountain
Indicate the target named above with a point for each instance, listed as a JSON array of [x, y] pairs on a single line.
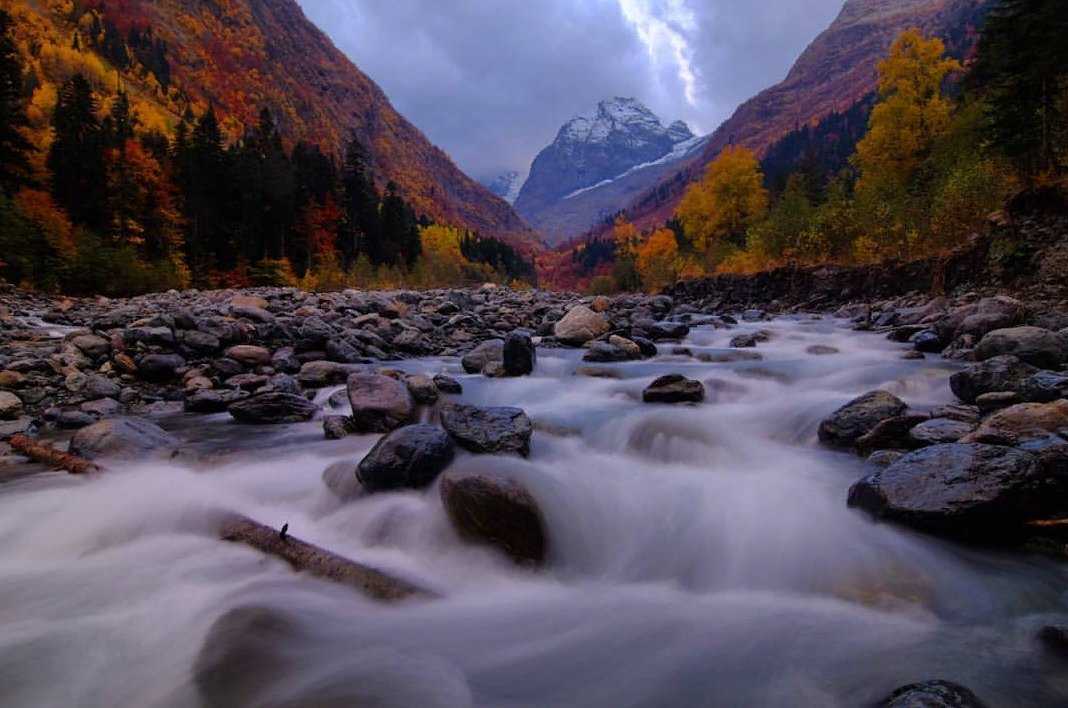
[[507, 186], [680, 151]]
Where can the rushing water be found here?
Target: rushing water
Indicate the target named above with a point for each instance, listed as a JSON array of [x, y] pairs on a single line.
[[700, 555]]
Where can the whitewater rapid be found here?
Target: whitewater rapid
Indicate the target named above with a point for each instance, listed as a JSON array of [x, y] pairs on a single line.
[[699, 556]]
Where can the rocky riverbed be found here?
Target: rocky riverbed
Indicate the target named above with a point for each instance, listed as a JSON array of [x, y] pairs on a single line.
[[871, 495]]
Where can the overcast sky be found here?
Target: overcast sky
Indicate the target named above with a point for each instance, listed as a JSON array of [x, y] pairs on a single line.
[[491, 81]]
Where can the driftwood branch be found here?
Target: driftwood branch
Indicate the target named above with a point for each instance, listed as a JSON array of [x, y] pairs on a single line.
[[46, 454], [303, 556]]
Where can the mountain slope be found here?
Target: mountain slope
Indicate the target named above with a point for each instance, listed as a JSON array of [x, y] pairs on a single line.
[[837, 70], [590, 169], [245, 55]]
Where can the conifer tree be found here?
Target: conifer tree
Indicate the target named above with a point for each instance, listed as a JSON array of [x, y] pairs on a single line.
[[76, 158], [364, 233], [14, 148]]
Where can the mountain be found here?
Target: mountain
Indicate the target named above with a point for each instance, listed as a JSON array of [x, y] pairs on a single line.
[[596, 162], [506, 186], [242, 56], [835, 72]]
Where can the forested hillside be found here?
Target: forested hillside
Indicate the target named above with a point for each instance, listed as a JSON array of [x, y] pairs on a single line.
[[174, 143]]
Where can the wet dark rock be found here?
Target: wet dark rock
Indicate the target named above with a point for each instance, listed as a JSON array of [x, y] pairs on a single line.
[[928, 341], [997, 400], [674, 388], [518, 354], [938, 431], [884, 458], [746, 341], [102, 408], [933, 694], [92, 346], [959, 412], [604, 353], [448, 385], [496, 511], [645, 346], [125, 438], [247, 382], [1044, 387], [423, 389], [206, 401], [965, 490], [159, 367], [273, 407], [74, 420], [411, 457], [859, 417], [379, 403], [891, 434], [475, 361], [488, 430], [320, 374], [1032, 345], [1023, 422], [336, 427], [1000, 373]]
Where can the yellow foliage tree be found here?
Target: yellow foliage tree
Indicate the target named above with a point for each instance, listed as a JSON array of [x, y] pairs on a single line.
[[626, 236], [658, 260], [441, 262], [912, 114], [717, 211]]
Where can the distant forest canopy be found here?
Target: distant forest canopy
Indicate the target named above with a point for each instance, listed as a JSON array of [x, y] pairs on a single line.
[[911, 171], [99, 193]]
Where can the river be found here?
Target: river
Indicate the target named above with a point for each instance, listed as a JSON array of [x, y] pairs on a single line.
[[699, 556]]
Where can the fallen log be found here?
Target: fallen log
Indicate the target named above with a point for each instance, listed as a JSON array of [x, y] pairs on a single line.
[[46, 454], [306, 557]]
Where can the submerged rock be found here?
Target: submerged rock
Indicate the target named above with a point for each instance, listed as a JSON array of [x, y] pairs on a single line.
[[408, 458], [273, 407], [488, 430], [933, 694], [848, 424], [124, 438], [496, 511], [674, 388]]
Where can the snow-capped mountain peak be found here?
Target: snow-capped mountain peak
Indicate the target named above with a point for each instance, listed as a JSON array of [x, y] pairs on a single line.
[[507, 185]]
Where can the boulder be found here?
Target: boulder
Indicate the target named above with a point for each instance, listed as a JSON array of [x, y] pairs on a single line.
[[932, 694], [964, 490], [674, 388], [411, 457], [206, 401], [379, 403], [1001, 373], [1044, 387], [630, 348], [518, 354], [448, 385], [336, 427], [10, 406], [422, 388], [859, 417], [1032, 345], [496, 511], [159, 367], [340, 479], [93, 346], [938, 431], [124, 438], [997, 400], [580, 325], [320, 374], [273, 407], [249, 355], [604, 353], [890, 434], [489, 351], [1023, 422], [488, 430]]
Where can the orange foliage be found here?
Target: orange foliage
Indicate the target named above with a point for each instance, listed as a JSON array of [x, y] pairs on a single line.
[[38, 207]]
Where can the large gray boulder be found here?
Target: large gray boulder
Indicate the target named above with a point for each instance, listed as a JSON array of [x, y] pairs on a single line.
[[580, 325], [859, 417], [123, 438], [411, 457], [965, 490], [1032, 345], [379, 403], [496, 511], [932, 694], [488, 430], [1001, 373]]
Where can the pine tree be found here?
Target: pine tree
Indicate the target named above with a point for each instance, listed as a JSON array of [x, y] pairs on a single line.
[[1022, 72], [76, 158], [400, 232], [121, 122], [205, 186], [14, 148], [364, 233]]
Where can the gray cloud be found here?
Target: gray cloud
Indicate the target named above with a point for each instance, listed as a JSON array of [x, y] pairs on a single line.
[[491, 81]]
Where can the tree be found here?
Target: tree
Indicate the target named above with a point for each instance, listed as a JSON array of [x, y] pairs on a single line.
[[76, 158], [717, 211], [361, 203], [400, 231], [15, 171], [205, 183], [781, 234], [658, 260], [911, 114], [1021, 70]]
